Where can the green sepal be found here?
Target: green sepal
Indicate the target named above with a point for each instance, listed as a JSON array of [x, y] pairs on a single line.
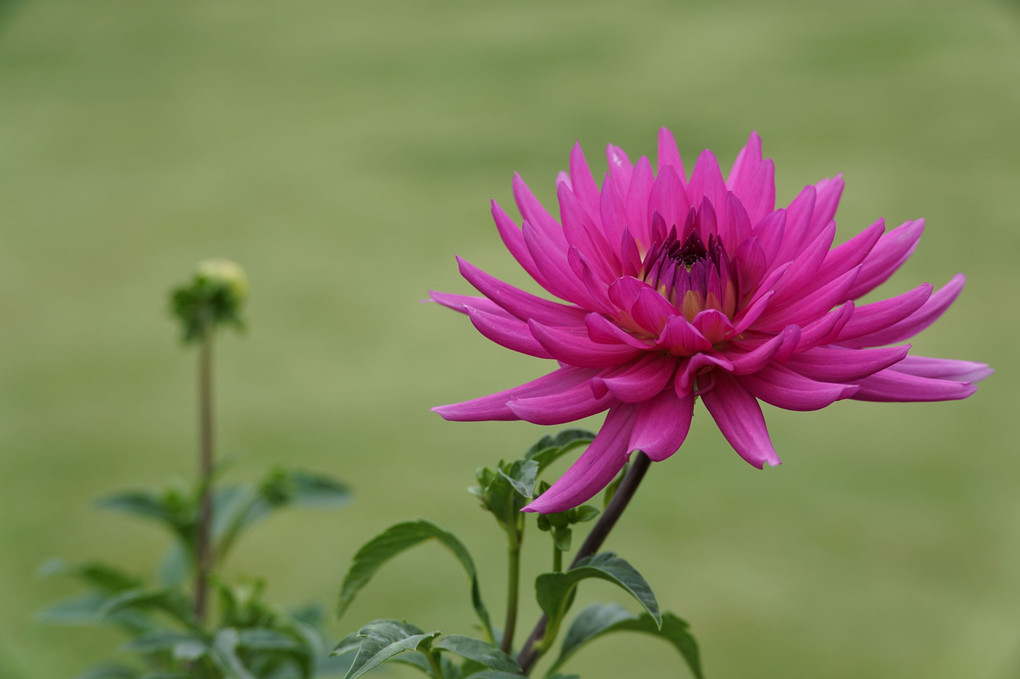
[[395, 540], [479, 651], [600, 619], [381, 640], [555, 591]]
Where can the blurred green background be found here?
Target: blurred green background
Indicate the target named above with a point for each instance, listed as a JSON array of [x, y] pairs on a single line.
[[343, 152]]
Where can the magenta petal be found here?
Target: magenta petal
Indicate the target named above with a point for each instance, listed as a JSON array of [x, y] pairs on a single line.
[[889, 253], [783, 388], [494, 406], [574, 347], [690, 368], [568, 405], [662, 425], [891, 385], [507, 331], [604, 331], [812, 306], [668, 155], [637, 382], [745, 166], [713, 325], [593, 471], [825, 329], [944, 369], [582, 183], [928, 313], [521, 304], [668, 198], [707, 182], [560, 280], [461, 302], [755, 359], [847, 255], [533, 212], [680, 338], [835, 364], [740, 420], [886, 313], [637, 202]]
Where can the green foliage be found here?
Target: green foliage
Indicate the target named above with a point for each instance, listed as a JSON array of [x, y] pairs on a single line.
[[600, 619], [395, 540], [504, 491], [250, 639]]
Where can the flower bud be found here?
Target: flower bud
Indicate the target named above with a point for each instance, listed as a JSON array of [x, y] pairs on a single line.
[[213, 297]]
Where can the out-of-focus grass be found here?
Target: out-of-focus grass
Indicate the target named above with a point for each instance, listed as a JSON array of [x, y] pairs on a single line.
[[343, 152]]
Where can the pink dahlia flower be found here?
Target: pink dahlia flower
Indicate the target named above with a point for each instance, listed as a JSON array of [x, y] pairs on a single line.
[[677, 287]]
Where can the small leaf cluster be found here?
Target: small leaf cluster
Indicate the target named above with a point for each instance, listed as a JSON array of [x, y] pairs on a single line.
[[503, 491], [249, 638]]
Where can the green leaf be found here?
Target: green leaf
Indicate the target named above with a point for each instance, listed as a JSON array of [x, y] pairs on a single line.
[[317, 490], [551, 448], [172, 602], [381, 640], [555, 590], [395, 540], [225, 645], [264, 639], [164, 640], [600, 619], [479, 651], [175, 510], [175, 567], [494, 674], [99, 575]]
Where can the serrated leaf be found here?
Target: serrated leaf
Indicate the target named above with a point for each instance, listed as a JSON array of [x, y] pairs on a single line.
[[381, 640], [395, 540], [479, 651], [600, 619], [554, 590]]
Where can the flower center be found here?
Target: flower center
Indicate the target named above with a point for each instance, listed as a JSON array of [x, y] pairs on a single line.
[[692, 275]]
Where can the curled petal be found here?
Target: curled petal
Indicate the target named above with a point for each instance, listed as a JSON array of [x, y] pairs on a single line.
[[596, 467], [944, 369], [604, 331], [573, 346], [521, 304], [928, 313], [662, 425], [462, 302], [637, 382], [892, 385], [494, 406], [876, 316], [680, 338], [566, 405], [756, 358], [740, 420], [784, 388], [888, 255], [507, 331], [835, 364], [536, 215]]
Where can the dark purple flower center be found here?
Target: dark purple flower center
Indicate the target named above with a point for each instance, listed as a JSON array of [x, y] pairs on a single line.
[[692, 274]]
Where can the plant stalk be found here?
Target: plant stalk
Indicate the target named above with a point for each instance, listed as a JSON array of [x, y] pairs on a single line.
[[203, 542], [531, 651], [512, 588]]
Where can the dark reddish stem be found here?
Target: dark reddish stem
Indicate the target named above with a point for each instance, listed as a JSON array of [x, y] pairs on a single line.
[[530, 654]]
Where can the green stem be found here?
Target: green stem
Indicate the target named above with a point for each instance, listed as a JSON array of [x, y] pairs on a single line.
[[203, 544], [557, 559], [512, 587], [537, 643], [436, 664]]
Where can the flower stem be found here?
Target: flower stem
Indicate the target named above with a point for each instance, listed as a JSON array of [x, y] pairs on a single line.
[[203, 545], [639, 465], [557, 559], [512, 587]]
